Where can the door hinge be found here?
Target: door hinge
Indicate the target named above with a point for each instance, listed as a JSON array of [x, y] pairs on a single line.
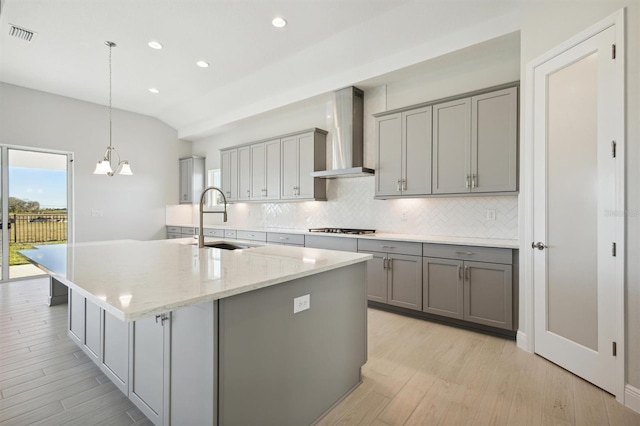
[[614, 349], [613, 149], [613, 51], [613, 249]]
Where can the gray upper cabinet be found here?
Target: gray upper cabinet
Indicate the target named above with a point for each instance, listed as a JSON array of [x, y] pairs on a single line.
[[191, 179], [452, 147], [389, 155], [278, 169], [404, 153], [244, 173], [265, 170], [301, 155], [494, 132], [475, 143], [229, 166]]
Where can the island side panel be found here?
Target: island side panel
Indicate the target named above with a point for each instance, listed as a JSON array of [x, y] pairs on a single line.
[[277, 367]]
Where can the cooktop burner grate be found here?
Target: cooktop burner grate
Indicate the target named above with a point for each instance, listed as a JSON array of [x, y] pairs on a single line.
[[343, 231]]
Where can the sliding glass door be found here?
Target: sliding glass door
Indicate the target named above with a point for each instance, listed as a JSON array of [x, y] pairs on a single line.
[[35, 211]]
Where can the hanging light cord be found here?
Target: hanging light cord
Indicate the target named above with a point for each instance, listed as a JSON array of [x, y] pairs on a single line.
[[111, 45]]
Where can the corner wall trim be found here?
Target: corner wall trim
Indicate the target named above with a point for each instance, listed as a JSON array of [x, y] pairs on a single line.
[[632, 397], [522, 342]]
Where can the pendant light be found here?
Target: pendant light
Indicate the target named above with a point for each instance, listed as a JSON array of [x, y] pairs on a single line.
[[104, 166]]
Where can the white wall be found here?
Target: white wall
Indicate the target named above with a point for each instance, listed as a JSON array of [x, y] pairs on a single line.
[[547, 24], [133, 206], [351, 202]]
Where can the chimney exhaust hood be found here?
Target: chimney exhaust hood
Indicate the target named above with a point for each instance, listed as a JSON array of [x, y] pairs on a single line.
[[347, 136]]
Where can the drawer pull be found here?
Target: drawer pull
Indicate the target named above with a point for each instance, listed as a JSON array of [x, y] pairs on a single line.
[[284, 238], [388, 247], [467, 253]]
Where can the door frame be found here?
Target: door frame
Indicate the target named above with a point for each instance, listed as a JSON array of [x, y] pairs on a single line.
[[4, 163], [525, 335]]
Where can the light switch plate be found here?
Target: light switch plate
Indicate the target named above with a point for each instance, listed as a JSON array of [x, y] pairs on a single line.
[[301, 303]]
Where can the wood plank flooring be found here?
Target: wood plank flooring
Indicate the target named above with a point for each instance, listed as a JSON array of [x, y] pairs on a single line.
[[418, 373]]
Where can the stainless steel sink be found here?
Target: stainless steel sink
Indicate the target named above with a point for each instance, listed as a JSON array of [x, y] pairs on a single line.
[[224, 245]]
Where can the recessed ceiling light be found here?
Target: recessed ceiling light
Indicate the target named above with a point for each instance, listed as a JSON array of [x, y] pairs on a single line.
[[279, 22], [154, 90], [155, 45], [202, 64]]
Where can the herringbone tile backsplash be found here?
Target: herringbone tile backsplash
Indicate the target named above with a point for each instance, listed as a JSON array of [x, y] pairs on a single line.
[[351, 205]]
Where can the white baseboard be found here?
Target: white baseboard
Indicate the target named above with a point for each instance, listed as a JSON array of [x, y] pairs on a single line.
[[521, 341], [632, 398]]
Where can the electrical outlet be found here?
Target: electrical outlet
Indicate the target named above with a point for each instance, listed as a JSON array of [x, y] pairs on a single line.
[[403, 215], [301, 303], [96, 213], [491, 215]]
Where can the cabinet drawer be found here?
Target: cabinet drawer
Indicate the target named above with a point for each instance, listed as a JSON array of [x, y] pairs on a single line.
[[251, 235], [174, 230], [387, 246], [331, 243], [172, 236], [188, 230], [208, 232], [277, 237], [478, 254], [230, 233]]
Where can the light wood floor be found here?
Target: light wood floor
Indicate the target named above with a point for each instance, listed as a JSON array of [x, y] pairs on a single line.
[[419, 373]]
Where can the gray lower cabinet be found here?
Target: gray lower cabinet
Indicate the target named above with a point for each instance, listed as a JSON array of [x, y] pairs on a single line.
[[149, 359], [488, 294], [285, 239], [331, 243], [469, 283], [394, 275], [114, 350], [442, 282], [84, 324]]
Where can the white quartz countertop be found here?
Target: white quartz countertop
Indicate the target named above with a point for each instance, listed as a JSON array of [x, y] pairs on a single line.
[[419, 238], [138, 279]]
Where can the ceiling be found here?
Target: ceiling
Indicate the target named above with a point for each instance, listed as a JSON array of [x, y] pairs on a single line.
[[255, 67]]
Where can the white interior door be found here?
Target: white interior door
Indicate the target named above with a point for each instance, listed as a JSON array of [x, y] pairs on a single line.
[[575, 188]]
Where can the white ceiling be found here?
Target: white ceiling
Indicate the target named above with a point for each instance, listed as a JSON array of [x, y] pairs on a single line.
[[328, 44]]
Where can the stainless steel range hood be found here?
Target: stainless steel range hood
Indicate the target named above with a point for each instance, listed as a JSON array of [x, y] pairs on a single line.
[[347, 136]]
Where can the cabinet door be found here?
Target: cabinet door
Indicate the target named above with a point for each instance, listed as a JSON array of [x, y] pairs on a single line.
[[258, 162], [389, 155], [494, 144], [405, 281], [229, 166], [306, 148], [92, 330], [186, 170], [114, 357], [442, 283], [244, 173], [76, 316], [451, 147], [377, 278], [290, 173], [416, 152], [488, 294], [272, 170], [149, 362]]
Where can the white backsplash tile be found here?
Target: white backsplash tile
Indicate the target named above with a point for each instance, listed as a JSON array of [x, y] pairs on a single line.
[[351, 205]]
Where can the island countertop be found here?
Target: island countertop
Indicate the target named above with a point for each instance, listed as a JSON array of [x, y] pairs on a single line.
[[138, 279]]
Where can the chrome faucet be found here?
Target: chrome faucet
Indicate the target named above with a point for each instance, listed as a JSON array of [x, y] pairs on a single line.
[[202, 212]]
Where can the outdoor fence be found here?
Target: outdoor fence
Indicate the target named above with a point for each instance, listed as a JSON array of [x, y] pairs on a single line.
[[37, 228]]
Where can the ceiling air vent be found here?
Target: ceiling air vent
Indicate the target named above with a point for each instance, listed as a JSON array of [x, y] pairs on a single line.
[[21, 33]]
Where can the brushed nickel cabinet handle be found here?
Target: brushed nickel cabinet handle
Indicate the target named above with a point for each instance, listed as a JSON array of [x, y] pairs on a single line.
[[388, 247], [459, 271], [467, 253], [466, 272]]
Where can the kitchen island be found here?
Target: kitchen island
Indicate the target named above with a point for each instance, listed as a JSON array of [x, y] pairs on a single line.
[[265, 335]]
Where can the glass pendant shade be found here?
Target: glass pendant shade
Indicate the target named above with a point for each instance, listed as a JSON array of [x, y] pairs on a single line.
[[103, 168], [126, 169]]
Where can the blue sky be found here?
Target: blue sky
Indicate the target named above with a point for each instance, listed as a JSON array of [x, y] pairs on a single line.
[[48, 187]]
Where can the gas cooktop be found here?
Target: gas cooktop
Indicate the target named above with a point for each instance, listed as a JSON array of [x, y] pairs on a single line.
[[343, 231]]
